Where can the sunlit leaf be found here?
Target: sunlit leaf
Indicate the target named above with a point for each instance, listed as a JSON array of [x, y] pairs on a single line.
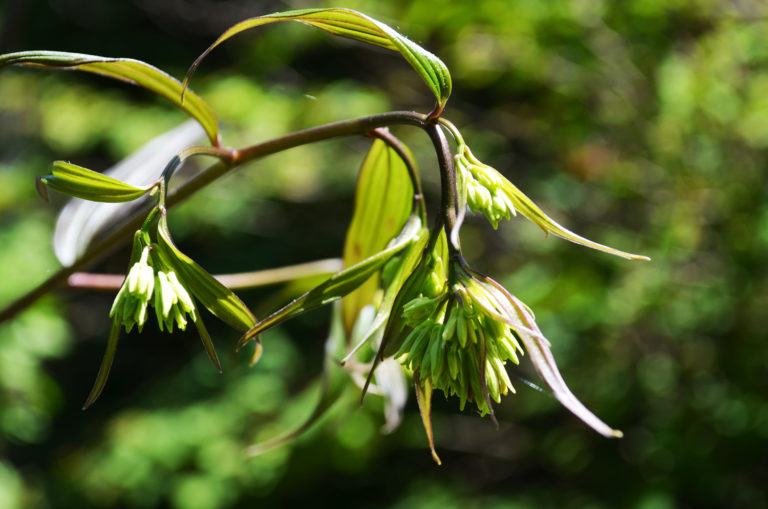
[[217, 298], [80, 221], [355, 25], [383, 202], [128, 70], [338, 285], [530, 210], [83, 183], [106, 365]]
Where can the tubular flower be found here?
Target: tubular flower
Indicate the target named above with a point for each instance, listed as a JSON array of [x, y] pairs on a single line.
[[130, 306], [172, 302], [151, 283]]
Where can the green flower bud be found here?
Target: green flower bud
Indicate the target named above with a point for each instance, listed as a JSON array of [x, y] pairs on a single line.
[[461, 341], [484, 187]]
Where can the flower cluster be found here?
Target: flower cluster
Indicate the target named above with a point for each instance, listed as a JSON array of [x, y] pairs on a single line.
[[484, 187], [147, 278], [458, 335]]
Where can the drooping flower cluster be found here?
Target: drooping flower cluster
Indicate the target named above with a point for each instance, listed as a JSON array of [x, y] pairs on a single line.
[[457, 333], [484, 187], [147, 278]]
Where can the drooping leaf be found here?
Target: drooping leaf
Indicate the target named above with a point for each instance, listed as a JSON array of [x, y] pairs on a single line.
[[106, 364], [340, 284], [206, 340], [424, 398], [128, 70], [529, 209], [355, 25], [83, 183], [538, 348], [383, 202], [418, 265], [216, 297]]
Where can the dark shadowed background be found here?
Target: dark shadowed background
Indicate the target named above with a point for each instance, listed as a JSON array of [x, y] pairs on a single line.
[[642, 124]]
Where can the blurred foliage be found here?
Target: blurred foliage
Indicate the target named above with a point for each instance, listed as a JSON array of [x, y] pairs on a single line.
[[642, 124]]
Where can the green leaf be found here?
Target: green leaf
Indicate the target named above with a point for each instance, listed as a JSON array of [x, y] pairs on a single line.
[[128, 70], [537, 346], [106, 365], [383, 202], [340, 284], [83, 183], [424, 399], [530, 210], [206, 340], [355, 25], [216, 297], [410, 258]]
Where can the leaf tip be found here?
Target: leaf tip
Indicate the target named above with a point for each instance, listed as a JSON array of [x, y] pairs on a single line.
[[42, 189], [257, 352]]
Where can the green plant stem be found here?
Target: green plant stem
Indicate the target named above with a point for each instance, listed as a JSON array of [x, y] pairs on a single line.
[[118, 234], [238, 281], [448, 188]]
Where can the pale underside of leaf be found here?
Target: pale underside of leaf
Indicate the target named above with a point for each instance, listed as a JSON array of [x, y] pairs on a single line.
[[80, 221], [541, 356], [128, 70], [355, 25]]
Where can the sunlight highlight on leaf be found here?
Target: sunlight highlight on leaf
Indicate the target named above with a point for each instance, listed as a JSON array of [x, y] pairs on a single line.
[[355, 25], [132, 71], [83, 183]]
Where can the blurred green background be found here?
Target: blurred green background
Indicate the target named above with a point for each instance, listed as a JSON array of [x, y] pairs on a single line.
[[642, 124]]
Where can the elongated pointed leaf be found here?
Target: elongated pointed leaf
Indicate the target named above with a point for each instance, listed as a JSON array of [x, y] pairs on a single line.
[[383, 202], [128, 70], [216, 297], [355, 25], [338, 285], [537, 347], [106, 365], [424, 398], [83, 183], [410, 258], [530, 210], [206, 340]]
